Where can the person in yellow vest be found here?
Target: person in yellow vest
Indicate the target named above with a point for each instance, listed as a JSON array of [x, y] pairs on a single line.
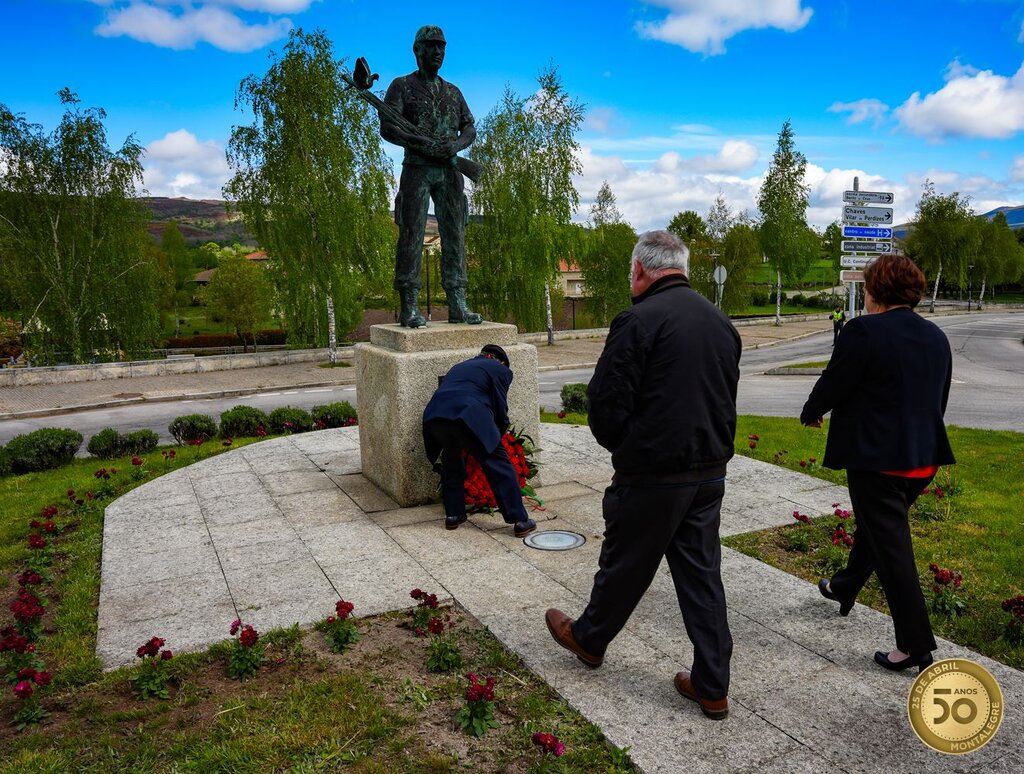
[[838, 317]]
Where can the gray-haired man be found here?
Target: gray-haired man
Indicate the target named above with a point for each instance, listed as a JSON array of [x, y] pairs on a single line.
[[663, 401]]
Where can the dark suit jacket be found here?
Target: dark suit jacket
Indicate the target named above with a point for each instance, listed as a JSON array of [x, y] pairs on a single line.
[[887, 385], [474, 392]]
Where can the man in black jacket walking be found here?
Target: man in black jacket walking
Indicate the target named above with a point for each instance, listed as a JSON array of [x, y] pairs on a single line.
[[663, 401]]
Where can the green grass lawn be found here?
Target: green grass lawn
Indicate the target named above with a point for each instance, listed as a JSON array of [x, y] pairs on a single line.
[[812, 364], [195, 322], [769, 310], [375, 708]]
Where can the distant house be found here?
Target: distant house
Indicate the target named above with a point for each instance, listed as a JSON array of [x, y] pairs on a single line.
[[260, 257], [571, 280]]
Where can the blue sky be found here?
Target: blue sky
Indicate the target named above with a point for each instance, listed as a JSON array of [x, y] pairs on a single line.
[[684, 98]]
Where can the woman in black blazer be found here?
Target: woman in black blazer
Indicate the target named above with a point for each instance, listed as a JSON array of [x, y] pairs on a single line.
[[887, 385]]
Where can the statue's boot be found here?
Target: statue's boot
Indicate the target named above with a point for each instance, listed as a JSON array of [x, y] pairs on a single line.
[[458, 312], [410, 316]]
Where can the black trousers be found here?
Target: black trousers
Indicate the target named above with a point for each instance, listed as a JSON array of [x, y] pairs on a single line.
[[882, 544], [836, 327], [453, 436], [417, 187], [642, 525]]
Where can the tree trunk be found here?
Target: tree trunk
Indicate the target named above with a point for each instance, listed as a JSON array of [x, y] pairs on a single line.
[[778, 297], [935, 290], [550, 324], [981, 293], [332, 341]]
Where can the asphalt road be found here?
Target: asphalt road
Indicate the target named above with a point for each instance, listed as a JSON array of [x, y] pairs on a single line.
[[987, 391]]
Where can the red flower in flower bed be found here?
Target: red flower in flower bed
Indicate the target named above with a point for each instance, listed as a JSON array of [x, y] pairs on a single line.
[[549, 743], [343, 608], [840, 537], [36, 541], [151, 648], [249, 636], [478, 691], [802, 517], [23, 689], [30, 578], [436, 626]]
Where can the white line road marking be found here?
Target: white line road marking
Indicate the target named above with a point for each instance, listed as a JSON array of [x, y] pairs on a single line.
[[190, 400], [268, 394], [290, 392], [322, 389]]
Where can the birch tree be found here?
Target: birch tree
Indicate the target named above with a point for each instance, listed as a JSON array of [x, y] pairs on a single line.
[[314, 186], [73, 244], [524, 201]]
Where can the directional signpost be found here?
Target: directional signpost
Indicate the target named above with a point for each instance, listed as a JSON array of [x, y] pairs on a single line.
[[867, 232], [868, 197], [864, 235], [867, 214], [866, 247]]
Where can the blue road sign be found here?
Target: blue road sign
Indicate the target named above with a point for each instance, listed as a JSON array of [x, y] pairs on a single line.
[[867, 231]]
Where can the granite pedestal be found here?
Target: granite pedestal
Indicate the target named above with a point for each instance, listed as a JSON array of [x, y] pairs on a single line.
[[396, 374]]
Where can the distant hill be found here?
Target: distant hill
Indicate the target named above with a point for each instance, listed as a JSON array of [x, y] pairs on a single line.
[[1014, 218], [199, 220]]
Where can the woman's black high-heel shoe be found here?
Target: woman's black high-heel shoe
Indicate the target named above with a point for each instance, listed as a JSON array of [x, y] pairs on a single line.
[[844, 607], [922, 661]]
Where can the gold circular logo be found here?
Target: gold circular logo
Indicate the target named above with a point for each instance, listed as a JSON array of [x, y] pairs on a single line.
[[955, 706]]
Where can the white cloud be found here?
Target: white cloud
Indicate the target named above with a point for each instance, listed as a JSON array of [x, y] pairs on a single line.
[[1017, 169], [735, 156], [972, 104], [181, 25], [703, 26], [861, 110], [178, 164], [604, 120]]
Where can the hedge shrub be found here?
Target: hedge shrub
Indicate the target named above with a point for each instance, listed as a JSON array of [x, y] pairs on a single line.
[[43, 449], [298, 420], [5, 462], [106, 444], [335, 414], [192, 427], [574, 398], [242, 422], [139, 442]]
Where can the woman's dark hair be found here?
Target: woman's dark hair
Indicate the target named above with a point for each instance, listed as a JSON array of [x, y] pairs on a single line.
[[894, 280]]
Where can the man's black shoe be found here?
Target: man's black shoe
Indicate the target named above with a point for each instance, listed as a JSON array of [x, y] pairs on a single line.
[[453, 522], [524, 528]]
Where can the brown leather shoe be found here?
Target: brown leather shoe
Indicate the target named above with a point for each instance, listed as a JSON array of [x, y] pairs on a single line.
[[716, 709], [560, 626]]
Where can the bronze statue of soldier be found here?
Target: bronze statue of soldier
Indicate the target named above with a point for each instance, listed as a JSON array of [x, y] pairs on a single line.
[[438, 126]]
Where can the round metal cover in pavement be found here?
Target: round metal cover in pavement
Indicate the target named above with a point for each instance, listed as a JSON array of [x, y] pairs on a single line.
[[554, 540]]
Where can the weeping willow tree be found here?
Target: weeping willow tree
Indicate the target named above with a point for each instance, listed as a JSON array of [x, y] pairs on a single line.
[[73, 245], [524, 201], [313, 184]]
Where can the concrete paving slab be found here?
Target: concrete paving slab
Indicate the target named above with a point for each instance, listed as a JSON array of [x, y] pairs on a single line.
[[281, 594], [405, 516], [228, 510], [349, 541], [243, 487], [562, 491], [123, 566], [297, 481], [365, 494], [235, 561], [152, 600], [250, 533], [430, 542], [318, 508]]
